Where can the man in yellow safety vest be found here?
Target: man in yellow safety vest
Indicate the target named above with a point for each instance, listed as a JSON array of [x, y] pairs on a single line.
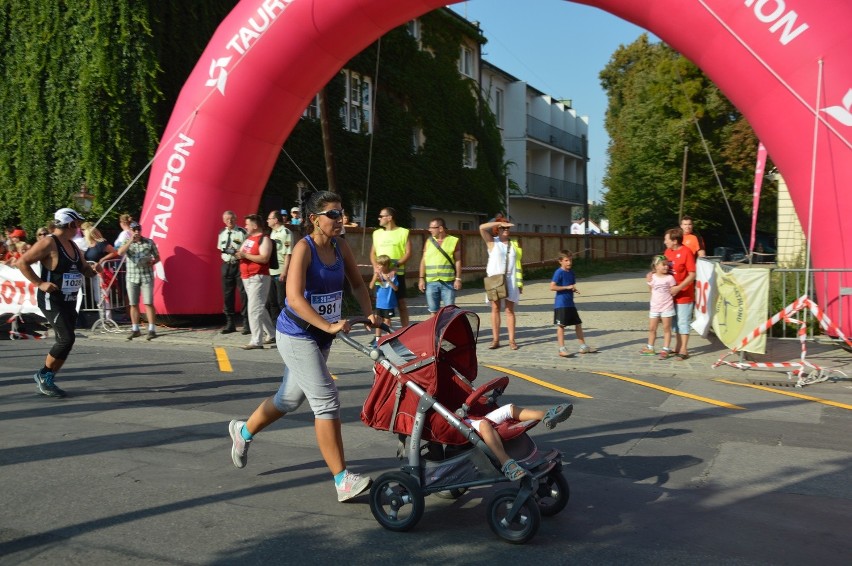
[[440, 267]]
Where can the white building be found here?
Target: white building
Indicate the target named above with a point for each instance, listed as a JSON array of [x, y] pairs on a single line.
[[546, 145]]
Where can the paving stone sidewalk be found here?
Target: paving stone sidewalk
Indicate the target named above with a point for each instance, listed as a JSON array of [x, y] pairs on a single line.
[[614, 309]]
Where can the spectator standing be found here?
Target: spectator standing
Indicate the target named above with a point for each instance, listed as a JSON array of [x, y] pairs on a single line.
[[42, 233], [141, 255], [392, 240], [682, 266], [62, 272], [229, 241], [305, 330], [282, 238], [98, 250], [565, 313], [440, 267], [662, 307], [254, 257], [691, 240], [296, 216], [577, 227], [504, 256], [124, 222]]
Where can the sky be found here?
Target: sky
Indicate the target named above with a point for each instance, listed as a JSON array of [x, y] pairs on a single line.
[[559, 48]]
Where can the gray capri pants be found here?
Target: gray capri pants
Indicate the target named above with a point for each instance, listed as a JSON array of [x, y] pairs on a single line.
[[306, 376]]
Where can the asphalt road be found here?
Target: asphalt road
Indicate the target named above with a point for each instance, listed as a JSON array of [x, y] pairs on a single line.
[[134, 468]]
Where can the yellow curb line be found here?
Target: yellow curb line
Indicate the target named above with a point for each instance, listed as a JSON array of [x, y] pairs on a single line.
[[788, 393], [222, 358], [540, 382], [670, 391]]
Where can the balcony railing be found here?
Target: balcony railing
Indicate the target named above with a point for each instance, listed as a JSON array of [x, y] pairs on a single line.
[[539, 185], [547, 133]]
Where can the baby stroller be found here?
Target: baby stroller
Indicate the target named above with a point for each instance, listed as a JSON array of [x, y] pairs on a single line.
[[423, 389]]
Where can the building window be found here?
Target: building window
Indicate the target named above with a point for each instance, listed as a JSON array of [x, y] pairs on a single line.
[[413, 29], [465, 225], [357, 104], [312, 111], [498, 106], [417, 139], [466, 61], [469, 156]]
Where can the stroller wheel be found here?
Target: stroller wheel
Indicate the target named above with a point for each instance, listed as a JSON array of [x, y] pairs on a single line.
[[515, 524], [552, 494], [396, 501]]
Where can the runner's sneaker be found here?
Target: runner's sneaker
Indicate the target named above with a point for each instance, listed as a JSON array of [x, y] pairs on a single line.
[[557, 414], [586, 349], [352, 485], [564, 353], [239, 449], [46, 386], [135, 334]]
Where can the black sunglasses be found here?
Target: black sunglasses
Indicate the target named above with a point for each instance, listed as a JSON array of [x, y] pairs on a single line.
[[334, 213]]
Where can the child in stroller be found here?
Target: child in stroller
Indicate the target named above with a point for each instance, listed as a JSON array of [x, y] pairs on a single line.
[[485, 427], [423, 392]]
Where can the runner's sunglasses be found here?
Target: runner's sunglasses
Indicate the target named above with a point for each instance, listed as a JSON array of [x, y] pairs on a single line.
[[334, 213]]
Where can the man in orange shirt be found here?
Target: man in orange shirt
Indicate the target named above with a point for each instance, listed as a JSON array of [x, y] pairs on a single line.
[[690, 239]]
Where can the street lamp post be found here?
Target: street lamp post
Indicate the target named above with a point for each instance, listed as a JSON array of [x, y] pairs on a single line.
[[84, 199]]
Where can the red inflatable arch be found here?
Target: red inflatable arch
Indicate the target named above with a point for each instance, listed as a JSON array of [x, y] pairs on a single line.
[[785, 64]]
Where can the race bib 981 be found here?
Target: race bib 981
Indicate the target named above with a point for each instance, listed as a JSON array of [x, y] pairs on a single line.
[[328, 305]]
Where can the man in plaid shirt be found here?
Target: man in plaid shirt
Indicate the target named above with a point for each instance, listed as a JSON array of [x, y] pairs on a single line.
[[141, 256]]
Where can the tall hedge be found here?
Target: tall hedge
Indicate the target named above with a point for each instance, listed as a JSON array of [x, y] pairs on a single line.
[[86, 90]]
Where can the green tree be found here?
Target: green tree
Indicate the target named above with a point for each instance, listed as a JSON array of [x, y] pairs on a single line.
[[655, 96], [86, 89]]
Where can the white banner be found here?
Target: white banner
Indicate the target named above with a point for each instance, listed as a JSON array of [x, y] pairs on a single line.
[[741, 307], [705, 295], [17, 295]]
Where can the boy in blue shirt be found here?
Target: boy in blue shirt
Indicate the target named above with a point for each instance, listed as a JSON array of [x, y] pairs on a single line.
[[564, 311], [386, 283]]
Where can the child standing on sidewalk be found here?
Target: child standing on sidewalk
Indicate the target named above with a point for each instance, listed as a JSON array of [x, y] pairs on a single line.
[[564, 311], [386, 283], [662, 306]]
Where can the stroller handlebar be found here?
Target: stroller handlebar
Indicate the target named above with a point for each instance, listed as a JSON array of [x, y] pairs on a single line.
[[348, 340]]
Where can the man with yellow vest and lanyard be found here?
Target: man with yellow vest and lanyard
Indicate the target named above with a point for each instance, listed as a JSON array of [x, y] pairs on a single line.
[[392, 240], [440, 267]]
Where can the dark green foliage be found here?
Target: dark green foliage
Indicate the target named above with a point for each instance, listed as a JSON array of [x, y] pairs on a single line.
[[86, 90], [653, 92], [88, 87]]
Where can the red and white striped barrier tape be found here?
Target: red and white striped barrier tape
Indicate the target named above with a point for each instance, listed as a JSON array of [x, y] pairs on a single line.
[[798, 369]]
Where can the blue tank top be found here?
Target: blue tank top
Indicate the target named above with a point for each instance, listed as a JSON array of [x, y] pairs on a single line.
[[323, 291]]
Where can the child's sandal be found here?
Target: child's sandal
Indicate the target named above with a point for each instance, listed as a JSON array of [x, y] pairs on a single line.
[[512, 470], [557, 414]]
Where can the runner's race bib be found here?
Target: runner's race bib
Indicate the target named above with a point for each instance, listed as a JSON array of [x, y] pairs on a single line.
[[71, 283], [328, 305]]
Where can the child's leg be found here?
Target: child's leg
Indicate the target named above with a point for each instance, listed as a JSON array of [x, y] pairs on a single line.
[[667, 332], [493, 441], [560, 335], [578, 328], [652, 331]]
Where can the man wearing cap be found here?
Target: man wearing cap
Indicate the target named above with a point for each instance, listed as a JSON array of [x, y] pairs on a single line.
[[295, 216], [61, 278], [230, 240], [141, 254]]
